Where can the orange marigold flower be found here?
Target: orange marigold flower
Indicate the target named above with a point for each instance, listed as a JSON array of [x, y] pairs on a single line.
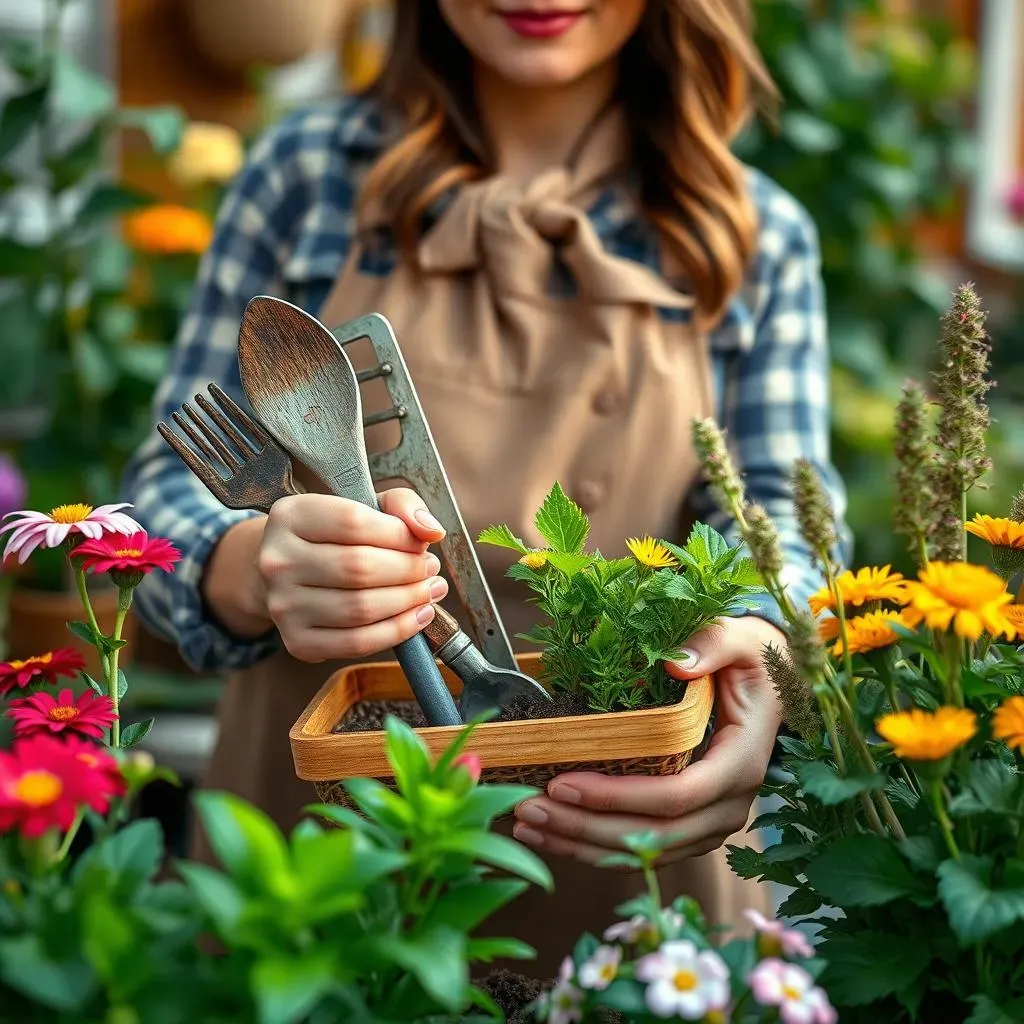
[[1008, 723], [828, 628], [871, 631], [168, 229], [1000, 533], [919, 735], [868, 584], [969, 599]]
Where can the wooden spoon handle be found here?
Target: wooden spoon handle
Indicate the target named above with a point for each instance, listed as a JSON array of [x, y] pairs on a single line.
[[441, 628]]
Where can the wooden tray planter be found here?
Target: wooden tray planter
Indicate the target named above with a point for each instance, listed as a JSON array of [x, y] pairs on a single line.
[[656, 741]]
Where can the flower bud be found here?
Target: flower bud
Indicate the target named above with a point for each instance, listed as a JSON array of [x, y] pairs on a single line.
[[471, 763]]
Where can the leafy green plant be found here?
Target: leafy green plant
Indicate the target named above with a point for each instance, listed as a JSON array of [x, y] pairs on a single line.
[[612, 622]]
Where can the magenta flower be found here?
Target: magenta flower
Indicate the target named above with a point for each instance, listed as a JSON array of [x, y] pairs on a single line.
[[775, 939], [31, 530], [137, 553], [1015, 200], [89, 715], [790, 989], [469, 762]]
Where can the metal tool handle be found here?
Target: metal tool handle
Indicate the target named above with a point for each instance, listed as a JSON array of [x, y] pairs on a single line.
[[420, 668], [441, 629]]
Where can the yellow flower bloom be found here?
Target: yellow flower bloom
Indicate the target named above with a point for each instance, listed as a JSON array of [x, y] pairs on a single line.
[[867, 584], [919, 735], [647, 551], [534, 560], [870, 632], [970, 599], [169, 229], [1008, 723], [828, 628], [1015, 614], [1000, 533], [208, 153]]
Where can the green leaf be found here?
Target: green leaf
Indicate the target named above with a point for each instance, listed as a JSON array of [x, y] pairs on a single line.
[[484, 803], [745, 861], [134, 734], [808, 133], [132, 856], [145, 360], [863, 871], [94, 685], [217, 894], [500, 852], [110, 201], [562, 523], [987, 1011], [625, 997], [799, 903], [869, 966], [288, 988], [22, 261], [990, 787], [437, 959], [378, 803], [621, 860], [108, 940], [18, 116], [84, 632], [247, 843], [466, 906], [60, 985], [976, 910], [407, 756], [83, 156], [921, 852], [783, 853], [95, 370], [163, 125], [81, 94], [487, 950], [122, 684], [502, 537], [820, 780], [569, 564]]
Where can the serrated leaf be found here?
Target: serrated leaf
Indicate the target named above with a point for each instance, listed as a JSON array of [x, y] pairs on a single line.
[[820, 780], [869, 966], [502, 537], [863, 871], [569, 564], [745, 861], [976, 910], [562, 523], [783, 853], [799, 903], [134, 734]]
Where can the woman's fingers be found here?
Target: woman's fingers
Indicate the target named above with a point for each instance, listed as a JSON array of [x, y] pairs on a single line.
[[313, 644]]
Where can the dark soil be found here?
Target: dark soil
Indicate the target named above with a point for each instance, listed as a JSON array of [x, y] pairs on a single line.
[[512, 992], [369, 716]]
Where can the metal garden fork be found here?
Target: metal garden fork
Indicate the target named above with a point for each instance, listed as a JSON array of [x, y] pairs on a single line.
[[259, 470]]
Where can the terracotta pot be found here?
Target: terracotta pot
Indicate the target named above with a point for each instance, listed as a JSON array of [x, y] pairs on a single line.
[[37, 622], [656, 741], [237, 34]]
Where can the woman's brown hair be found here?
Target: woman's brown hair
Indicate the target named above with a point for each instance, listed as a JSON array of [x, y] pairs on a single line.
[[689, 79]]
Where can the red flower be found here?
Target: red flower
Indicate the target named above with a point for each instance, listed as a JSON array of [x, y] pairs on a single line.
[[471, 762], [42, 667], [105, 778], [44, 781], [89, 715], [132, 556]]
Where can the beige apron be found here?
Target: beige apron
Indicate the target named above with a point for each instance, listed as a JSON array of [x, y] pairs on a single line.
[[521, 389]]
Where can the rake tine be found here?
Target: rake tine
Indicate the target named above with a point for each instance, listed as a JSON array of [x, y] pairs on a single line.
[[245, 447], [227, 456], [197, 440], [235, 412], [205, 472]]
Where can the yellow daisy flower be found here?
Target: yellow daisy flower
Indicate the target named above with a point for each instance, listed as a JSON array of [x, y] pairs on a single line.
[[534, 560], [918, 735], [867, 584], [1000, 533], [871, 631], [647, 551], [1008, 723], [828, 628], [1015, 614], [969, 599]]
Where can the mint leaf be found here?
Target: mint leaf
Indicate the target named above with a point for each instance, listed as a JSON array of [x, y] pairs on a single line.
[[863, 871], [562, 523], [569, 564], [869, 966], [820, 781], [502, 537], [977, 910], [987, 1011]]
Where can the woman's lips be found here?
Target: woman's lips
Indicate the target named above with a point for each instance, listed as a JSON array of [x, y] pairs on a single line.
[[540, 25]]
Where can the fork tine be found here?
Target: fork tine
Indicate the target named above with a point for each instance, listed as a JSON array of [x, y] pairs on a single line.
[[197, 439], [235, 412], [207, 473], [227, 456], [247, 449]]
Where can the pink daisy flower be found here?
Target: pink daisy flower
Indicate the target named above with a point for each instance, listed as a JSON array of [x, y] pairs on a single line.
[[775, 939], [31, 530], [135, 554], [89, 715], [792, 991], [40, 668]]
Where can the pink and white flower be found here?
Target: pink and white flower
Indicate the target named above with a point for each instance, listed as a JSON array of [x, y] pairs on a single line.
[[31, 530], [791, 989], [600, 970], [775, 939], [683, 981], [563, 1004], [640, 929]]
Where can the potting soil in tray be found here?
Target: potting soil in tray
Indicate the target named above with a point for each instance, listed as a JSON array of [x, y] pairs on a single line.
[[512, 992]]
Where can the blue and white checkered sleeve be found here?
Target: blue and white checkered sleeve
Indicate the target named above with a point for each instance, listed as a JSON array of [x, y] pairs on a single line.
[[243, 260], [774, 404]]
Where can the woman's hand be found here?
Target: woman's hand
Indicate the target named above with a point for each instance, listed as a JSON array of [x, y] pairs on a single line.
[[585, 815], [342, 580]]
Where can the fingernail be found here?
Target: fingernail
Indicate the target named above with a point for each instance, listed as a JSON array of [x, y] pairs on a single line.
[[438, 588], [424, 518], [687, 659], [425, 614], [528, 836], [532, 814], [565, 794], [433, 564]]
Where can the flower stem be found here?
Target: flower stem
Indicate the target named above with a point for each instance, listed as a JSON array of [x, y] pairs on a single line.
[[954, 647], [69, 838], [124, 602], [83, 595], [939, 806]]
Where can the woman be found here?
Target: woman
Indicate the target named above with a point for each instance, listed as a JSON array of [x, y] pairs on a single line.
[[540, 197]]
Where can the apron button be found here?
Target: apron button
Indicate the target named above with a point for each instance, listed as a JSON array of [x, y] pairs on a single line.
[[606, 402], [589, 494]]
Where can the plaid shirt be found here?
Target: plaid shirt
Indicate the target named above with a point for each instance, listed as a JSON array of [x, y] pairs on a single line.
[[285, 230]]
